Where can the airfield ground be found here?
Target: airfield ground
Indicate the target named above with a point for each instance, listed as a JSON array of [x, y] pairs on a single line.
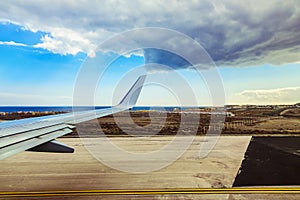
[[31, 171]]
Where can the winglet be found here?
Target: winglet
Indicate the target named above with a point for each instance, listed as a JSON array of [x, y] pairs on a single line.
[[130, 99]]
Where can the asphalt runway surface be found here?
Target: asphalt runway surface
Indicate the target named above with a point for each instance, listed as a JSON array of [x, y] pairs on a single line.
[[31, 175]]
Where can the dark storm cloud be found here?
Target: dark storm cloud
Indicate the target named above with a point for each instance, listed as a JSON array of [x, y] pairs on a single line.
[[234, 33], [165, 58]]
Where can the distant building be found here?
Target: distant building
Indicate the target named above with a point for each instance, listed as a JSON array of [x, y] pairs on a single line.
[[229, 114], [176, 109]]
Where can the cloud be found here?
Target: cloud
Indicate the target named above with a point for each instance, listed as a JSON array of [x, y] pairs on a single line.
[[12, 43], [234, 33], [56, 45], [278, 95], [165, 58]]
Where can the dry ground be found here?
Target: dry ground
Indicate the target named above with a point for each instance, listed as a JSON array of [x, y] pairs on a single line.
[[279, 124]]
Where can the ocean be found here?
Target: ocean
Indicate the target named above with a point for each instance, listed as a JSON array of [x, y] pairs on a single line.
[[11, 109]]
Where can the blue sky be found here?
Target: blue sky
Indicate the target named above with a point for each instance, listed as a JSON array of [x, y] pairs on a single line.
[[40, 59]]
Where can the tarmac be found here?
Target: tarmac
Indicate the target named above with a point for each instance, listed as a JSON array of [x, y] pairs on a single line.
[[80, 171]]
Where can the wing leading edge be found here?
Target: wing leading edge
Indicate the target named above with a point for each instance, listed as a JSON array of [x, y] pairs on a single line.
[[39, 133]]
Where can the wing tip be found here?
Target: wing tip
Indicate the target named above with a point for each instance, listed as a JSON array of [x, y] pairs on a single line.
[[131, 97]]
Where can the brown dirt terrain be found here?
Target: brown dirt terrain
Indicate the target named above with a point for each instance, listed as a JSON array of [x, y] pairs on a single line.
[[251, 122], [279, 124]]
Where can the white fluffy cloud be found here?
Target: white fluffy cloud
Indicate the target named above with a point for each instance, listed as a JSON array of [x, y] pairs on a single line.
[[12, 43], [277, 96], [233, 32], [60, 45]]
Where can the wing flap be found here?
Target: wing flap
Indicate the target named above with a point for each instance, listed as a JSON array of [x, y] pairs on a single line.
[[27, 144], [24, 128], [16, 138]]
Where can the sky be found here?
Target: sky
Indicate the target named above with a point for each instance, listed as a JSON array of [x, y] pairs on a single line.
[[254, 45]]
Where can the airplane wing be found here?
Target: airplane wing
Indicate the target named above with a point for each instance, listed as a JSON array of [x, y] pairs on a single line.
[[39, 133]]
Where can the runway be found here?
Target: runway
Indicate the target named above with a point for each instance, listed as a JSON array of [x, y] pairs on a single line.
[[207, 178]]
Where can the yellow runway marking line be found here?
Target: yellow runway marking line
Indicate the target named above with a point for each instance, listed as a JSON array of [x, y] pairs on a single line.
[[155, 192]]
